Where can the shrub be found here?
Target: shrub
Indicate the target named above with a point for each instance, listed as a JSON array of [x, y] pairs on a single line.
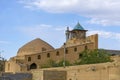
[[51, 63], [95, 56], [67, 63]]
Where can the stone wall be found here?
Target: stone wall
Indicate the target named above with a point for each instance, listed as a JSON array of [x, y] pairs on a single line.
[[94, 72], [71, 55], [12, 66], [54, 75], [16, 76], [37, 74], [102, 71]]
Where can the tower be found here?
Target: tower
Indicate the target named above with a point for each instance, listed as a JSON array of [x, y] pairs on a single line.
[[67, 33], [78, 32]]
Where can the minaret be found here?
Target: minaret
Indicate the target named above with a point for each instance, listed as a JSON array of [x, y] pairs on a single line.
[[67, 34]]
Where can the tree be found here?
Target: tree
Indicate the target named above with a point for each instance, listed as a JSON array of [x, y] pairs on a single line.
[[2, 65], [95, 56]]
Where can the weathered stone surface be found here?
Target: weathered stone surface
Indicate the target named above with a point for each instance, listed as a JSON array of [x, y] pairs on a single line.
[[54, 75], [16, 76]]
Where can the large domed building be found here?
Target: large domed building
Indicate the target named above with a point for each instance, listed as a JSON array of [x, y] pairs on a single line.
[[33, 47], [37, 52]]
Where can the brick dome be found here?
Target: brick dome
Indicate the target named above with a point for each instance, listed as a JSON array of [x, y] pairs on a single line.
[[33, 47]]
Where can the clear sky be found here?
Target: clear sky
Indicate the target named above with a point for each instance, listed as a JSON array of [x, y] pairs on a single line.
[[24, 20]]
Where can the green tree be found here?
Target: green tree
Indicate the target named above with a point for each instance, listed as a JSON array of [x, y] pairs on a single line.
[[95, 56], [2, 65], [67, 63]]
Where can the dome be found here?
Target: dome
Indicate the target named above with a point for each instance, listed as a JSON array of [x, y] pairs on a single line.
[[35, 46], [79, 27]]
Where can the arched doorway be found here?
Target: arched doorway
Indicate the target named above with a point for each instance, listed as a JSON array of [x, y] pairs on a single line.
[[33, 66]]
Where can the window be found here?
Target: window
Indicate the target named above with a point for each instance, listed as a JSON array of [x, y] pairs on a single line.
[[75, 49], [80, 55], [86, 47], [57, 53], [8, 66], [20, 69], [66, 51], [29, 58], [48, 55], [39, 56]]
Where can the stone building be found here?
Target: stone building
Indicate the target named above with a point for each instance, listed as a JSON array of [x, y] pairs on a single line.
[[37, 52]]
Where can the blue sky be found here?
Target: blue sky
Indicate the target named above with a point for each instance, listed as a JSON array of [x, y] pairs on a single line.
[[24, 20]]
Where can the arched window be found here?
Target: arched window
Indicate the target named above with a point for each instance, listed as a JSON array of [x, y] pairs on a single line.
[[33, 66], [48, 55], [66, 51], [39, 56], [29, 58], [80, 55], [8, 66], [86, 47], [57, 53], [75, 49]]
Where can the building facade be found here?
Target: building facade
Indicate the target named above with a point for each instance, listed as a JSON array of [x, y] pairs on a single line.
[[37, 52]]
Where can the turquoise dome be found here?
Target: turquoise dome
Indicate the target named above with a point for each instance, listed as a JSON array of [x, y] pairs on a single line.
[[78, 27]]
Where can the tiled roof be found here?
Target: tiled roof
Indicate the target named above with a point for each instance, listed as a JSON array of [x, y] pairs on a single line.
[[78, 27]]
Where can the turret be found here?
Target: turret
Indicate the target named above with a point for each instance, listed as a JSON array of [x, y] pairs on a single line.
[[67, 33], [78, 32]]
